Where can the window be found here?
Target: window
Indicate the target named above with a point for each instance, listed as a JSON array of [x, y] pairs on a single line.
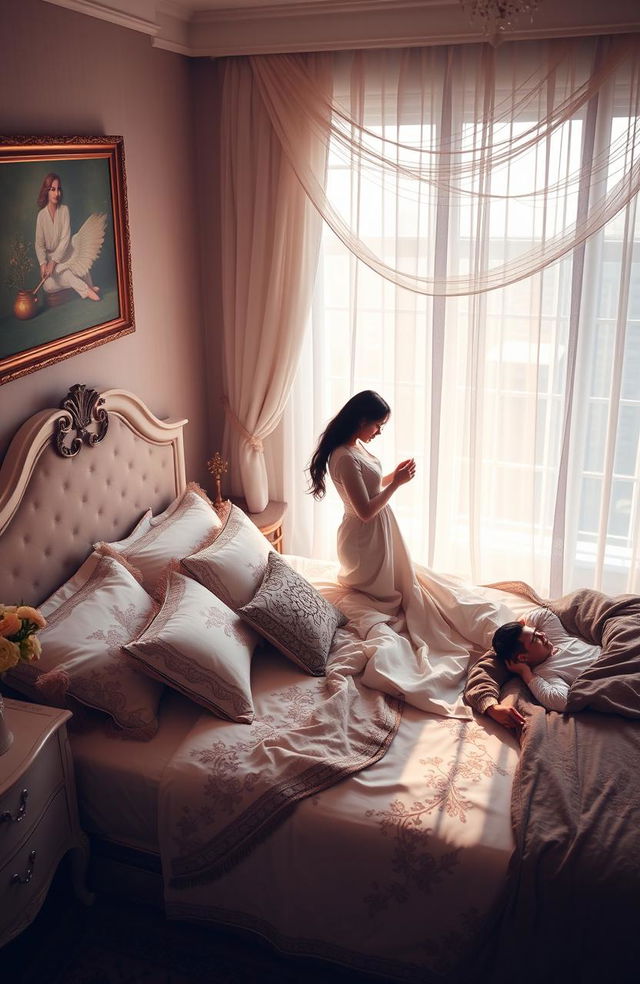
[[520, 405]]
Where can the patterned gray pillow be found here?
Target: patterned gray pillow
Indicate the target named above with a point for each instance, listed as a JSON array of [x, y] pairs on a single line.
[[290, 613]]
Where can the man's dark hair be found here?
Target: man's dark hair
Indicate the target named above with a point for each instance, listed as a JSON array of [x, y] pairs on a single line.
[[506, 641]]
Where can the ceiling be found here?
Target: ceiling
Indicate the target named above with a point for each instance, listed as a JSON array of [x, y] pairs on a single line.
[[213, 28]]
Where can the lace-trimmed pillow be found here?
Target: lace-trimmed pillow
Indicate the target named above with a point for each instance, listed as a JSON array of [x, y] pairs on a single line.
[[290, 613], [198, 646], [233, 565], [88, 621], [185, 526], [142, 526]]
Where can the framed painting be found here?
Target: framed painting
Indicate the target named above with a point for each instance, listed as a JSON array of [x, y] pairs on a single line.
[[65, 261]]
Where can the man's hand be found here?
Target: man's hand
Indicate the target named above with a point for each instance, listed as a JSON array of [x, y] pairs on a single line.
[[520, 669], [506, 715]]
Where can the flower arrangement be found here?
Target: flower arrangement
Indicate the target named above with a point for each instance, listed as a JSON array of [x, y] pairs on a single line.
[[18, 640], [20, 263]]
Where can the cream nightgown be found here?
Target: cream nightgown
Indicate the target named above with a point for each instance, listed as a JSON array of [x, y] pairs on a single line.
[[418, 627]]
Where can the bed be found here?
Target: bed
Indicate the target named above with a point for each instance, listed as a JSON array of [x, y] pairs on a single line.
[[288, 800]]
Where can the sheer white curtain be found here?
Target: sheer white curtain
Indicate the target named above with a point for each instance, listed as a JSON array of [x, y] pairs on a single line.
[[521, 404], [270, 238], [474, 157]]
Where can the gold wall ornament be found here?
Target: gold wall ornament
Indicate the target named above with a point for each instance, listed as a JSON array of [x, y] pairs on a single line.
[[83, 410], [218, 467]]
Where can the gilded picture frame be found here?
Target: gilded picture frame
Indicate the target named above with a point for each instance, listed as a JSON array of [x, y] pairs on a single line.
[[65, 258]]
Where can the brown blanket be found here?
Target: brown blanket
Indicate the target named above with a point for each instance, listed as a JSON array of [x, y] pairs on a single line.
[[612, 683], [572, 906]]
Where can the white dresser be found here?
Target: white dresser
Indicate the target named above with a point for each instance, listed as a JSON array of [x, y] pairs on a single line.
[[38, 814]]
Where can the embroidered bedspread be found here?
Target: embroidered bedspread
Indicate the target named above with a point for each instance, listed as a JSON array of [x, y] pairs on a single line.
[[396, 869], [230, 784]]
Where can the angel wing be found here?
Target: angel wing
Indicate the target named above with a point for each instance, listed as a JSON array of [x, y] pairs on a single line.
[[86, 244]]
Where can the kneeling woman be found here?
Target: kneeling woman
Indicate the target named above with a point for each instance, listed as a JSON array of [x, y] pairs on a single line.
[[418, 627]]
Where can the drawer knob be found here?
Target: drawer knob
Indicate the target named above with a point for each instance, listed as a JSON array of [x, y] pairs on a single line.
[[26, 878], [6, 817]]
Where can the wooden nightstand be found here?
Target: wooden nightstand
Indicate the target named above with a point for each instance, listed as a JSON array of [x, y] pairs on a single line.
[[269, 521], [38, 814]]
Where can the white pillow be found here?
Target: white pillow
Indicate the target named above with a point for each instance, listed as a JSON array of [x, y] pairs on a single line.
[[88, 621], [201, 648], [233, 565], [182, 528], [142, 526]]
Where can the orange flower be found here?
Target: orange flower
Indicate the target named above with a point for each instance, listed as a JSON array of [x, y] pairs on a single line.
[[10, 624], [31, 615]]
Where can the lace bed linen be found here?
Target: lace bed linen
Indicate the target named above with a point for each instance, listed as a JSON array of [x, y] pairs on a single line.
[[398, 868]]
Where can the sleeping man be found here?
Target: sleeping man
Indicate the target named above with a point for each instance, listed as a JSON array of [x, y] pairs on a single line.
[[544, 656], [583, 651]]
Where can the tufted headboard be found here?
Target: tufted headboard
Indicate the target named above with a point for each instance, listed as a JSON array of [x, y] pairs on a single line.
[[75, 475]]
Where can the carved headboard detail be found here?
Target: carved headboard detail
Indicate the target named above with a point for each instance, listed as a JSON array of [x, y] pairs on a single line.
[[86, 415], [54, 504]]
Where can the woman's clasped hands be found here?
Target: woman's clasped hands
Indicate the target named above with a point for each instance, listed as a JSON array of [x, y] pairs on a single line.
[[405, 471]]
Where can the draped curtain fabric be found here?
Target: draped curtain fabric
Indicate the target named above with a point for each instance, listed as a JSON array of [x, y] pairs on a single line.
[[505, 149], [500, 185], [270, 235]]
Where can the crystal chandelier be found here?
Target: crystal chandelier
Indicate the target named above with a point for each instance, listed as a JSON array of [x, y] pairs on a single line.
[[498, 16]]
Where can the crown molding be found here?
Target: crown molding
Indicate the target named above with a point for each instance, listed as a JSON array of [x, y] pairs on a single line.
[[142, 18], [198, 29], [280, 9]]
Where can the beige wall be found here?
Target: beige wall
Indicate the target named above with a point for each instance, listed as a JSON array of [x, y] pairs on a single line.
[[64, 73]]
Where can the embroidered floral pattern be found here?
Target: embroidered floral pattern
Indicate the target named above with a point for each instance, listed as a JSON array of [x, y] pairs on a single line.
[[203, 650], [99, 688], [242, 788], [226, 785], [216, 618], [295, 617], [447, 950], [127, 623], [301, 704], [206, 686], [418, 867], [99, 673]]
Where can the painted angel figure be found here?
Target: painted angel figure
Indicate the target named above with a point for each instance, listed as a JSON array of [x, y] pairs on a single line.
[[65, 260]]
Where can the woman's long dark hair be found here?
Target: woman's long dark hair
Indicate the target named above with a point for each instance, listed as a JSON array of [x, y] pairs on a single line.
[[366, 407]]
